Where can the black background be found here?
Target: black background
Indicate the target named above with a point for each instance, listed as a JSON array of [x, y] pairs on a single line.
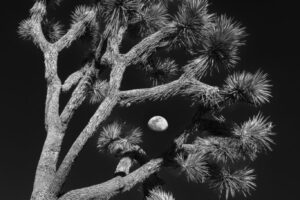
[[272, 45]]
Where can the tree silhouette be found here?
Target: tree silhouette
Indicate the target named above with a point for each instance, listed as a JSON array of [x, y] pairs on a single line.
[[209, 148]]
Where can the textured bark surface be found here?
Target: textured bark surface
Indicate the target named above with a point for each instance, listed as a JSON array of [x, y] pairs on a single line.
[[101, 114], [49, 177], [116, 185], [124, 166], [78, 95], [180, 87], [49, 156]]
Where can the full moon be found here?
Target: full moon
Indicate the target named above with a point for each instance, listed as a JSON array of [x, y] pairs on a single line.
[[158, 123]]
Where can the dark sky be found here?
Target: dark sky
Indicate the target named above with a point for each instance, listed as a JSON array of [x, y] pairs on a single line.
[[272, 45]]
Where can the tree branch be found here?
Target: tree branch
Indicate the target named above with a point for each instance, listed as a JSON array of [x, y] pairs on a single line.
[[38, 11], [72, 80], [78, 95], [116, 185], [147, 46], [182, 86], [130, 155], [47, 163], [112, 55], [100, 115], [124, 165], [76, 30]]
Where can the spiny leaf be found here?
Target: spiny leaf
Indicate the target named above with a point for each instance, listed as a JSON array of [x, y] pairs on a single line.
[[220, 46], [230, 183], [161, 71], [150, 19], [109, 134], [163, 2], [98, 91], [53, 30], [196, 68], [248, 87], [25, 28], [82, 18], [127, 141], [218, 148], [115, 139], [192, 20], [135, 136], [254, 136], [159, 194], [80, 13], [39, 9], [118, 12], [207, 97], [194, 166], [119, 145], [57, 32]]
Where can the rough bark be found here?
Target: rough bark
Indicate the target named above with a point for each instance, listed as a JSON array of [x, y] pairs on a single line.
[[116, 185], [46, 168], [141, 51], [51, 149], [104, 110], [49, 179], [124, 166], [72, 80], [101, 114], [182, 86], [78, 95], [75, 31]]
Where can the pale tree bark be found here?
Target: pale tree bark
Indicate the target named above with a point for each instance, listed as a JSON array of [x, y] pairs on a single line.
[[49, 177], [116, 185]]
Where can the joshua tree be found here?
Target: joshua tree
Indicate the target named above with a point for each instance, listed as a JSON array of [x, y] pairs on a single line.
[[209, 149]]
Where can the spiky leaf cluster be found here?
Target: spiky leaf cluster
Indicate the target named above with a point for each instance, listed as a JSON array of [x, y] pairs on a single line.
[[229, 183], [118, 12], [159, 194], [207, 97], [194, 166], [196, 68], [80, 19], [248, 140], [25, 29], [192, 21], [220, 46], [109, 134], [221, 149], [150, 19], [53, 30], [254, 136], [161, 71], [39, 9], [80, 13], [163, 2], [115, 139], [248, 87], [98, 91], [135, 136]]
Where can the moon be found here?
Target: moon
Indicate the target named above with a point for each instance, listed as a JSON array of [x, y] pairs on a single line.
[[158, 123]]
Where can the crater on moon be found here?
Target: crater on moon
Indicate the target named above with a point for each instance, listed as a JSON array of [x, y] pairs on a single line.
[[158, 123]]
